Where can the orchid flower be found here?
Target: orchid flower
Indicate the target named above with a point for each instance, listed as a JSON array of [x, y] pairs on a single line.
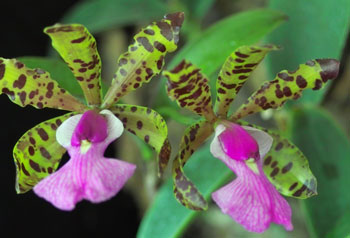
[[89, 128], [265, 163]]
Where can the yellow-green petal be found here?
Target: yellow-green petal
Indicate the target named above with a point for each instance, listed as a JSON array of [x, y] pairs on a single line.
[[78, 49], [25, 86], [189, 87], [287, 168], [235, 72], [145, 57], [37, 153], [289, 85], [184, 190], [149, 126]]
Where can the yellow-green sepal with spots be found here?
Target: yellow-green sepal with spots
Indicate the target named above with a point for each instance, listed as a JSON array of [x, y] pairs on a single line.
[[25, 86], [190, 89], [149, 126], [289, 85], [287, 168], [184, 190], [78, 49], [145, 57], [235, 72], [37, 153]]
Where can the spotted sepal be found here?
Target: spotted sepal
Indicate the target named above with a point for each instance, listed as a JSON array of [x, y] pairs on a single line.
[[289, 85], [25, 86], [189, 88], [78, 49], [37, 153], [184, 190], [149, 126], [145, 57], [235, 72], [287, 168]]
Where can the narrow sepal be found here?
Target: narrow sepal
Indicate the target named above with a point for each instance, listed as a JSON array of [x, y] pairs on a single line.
[[289, 85], [145, 57], [185, 191], [189, 87], [25, 86], [78, 49], [149, 126], [287, 168], [37, 153], [235, 72]]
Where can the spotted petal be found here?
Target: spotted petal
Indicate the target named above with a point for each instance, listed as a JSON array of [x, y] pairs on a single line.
[[78, 49], [234, 73], [289, 85], [25, 86], [37, 153], [287, 168], [189, 87], [145, 57], [185, 191], [149, 126]]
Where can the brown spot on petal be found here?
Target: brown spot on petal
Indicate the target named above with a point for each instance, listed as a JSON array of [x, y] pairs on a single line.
[[34, 166], [286, 168]]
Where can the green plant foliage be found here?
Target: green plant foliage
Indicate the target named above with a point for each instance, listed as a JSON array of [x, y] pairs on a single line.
[[101, 15], [328, 150], [315, 29], [167, 218], [226, 35]]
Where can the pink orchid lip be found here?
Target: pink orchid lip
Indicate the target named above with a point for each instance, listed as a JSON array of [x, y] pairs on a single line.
[[237, 143], [92, 132], [251, 200], [88, 174]]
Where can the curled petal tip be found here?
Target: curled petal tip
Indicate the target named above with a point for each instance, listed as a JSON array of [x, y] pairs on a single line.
[[176, 18], [330, 68]]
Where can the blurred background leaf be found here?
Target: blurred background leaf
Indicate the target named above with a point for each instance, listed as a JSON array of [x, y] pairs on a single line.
[[210, 49], [315, 29], [167, 218], [102, 15], [328, 149]]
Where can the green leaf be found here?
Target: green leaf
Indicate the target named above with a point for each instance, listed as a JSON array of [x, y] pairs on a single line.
[[145, 57], [189, 88], [102, 15], [78, 49], [314, 74], [316, 29], [328, 149], [25, 86], [166, 218], [235, 72], [37, 153], [184, 190], [59, 72], [147, 125], [210, 49], [198, 8]]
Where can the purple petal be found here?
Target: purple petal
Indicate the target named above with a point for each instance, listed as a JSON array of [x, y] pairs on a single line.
[[88, 174], [85, 130], [84, 176], [237, 143], [251, 200]]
